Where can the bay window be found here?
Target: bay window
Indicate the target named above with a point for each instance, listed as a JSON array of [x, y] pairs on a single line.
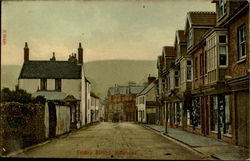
[[242, 41]]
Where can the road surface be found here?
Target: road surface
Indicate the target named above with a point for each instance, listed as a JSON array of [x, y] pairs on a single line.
[[124, 140]]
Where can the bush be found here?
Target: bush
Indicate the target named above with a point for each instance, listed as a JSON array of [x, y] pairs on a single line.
[[21, 96]]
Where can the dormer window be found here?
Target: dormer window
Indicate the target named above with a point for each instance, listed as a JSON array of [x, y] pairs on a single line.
[[222, 7], [190, 38]]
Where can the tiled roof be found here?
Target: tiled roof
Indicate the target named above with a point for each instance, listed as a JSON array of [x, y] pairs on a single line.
[[182, 37], [50, 70], [199, 18], [169, 51]]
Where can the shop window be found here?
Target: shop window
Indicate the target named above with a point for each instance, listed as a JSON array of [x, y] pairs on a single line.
[[195, 113]]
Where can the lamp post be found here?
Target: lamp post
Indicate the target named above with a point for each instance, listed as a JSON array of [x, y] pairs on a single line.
[[166, 124]]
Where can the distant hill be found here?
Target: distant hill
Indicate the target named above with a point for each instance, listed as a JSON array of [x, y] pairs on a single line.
[[101, 74]]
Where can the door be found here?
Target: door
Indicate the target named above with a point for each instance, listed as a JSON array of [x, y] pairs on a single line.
[[52, 119], [242, 105]]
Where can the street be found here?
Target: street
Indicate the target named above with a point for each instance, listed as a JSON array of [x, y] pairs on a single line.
[[112, 140]]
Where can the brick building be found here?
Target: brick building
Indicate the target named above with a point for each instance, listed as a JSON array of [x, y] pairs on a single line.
[[121, 102], [206, 89]]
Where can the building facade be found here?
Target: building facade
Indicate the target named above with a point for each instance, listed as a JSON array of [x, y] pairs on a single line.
[[53, 77]]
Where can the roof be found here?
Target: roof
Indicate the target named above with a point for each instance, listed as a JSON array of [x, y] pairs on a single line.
[[87, 80], [147, 89], [181, 36], [92, 94], [50, 70], [51, 95], [123, 90], [200, 18], [169, 51]]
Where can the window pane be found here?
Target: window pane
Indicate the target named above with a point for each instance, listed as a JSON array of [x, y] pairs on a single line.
[[189, 62], [222, 39], [222, 49], [188, 73], [223, 60]]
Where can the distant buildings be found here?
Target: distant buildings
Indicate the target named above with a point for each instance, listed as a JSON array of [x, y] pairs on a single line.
[[120, 103]]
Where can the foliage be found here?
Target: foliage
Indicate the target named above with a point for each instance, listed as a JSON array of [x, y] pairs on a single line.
[[20, 95]]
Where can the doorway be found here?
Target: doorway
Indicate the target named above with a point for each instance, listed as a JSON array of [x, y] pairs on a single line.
[[52, 119]]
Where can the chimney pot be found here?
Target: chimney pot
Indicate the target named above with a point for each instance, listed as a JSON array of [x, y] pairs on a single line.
[[80, 54], [26, 52]]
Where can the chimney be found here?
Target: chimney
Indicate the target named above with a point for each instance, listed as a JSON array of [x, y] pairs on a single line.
[[26, 52], [151, 79], [53, 57], [80, 54]]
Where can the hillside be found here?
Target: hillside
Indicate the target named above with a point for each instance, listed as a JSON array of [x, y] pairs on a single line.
[[102, 74]]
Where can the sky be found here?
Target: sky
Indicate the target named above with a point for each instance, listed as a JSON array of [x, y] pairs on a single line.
[[107, 29]]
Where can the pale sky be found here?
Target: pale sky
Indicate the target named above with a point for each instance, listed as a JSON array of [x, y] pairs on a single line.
[[108, 29]]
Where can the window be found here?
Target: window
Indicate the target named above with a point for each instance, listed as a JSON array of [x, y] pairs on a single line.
[[189, 70], [190, 38], [196, 68], [222, 38], [220, 114], [205, 62], [58, 84], [178, 51], [176, 78], [167, 83], [211, 52], [222, 7], [163, 85], [201, 66], [195, 112], [222, 55], [242, 41], [43, 84]]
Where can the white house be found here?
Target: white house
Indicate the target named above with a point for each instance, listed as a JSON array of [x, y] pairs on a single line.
[[88, 101], [146, 102], [52, 77], [95, 102]]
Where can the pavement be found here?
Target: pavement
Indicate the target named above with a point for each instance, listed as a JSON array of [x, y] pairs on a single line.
[[108, 140], [207, 146]]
